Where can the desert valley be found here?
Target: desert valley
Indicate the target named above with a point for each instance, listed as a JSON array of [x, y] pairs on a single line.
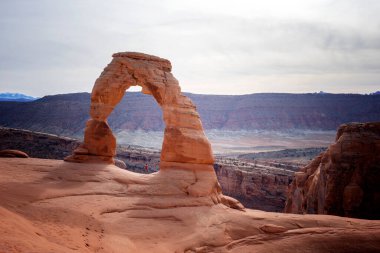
[[179, 198], [203, 126]]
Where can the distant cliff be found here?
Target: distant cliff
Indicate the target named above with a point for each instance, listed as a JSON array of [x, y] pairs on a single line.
[[66, 114], [39, 145], [255, 185]]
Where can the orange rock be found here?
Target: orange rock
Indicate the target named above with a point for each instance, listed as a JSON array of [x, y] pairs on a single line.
[[13, 153], [344, 180], [184, 139], [185, 146], [52, 206]]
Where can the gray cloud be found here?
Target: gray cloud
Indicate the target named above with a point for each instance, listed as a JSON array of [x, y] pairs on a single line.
[[51, 47]]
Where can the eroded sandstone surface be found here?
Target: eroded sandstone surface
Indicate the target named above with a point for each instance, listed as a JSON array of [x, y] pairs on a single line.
[[344, 180], [258, 186], [55, 206]]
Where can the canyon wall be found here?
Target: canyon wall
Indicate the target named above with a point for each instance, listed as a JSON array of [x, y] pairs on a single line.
[[255, 186], [40, 145]]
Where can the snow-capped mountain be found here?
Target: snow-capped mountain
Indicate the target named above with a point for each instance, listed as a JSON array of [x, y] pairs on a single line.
[[15, 97]]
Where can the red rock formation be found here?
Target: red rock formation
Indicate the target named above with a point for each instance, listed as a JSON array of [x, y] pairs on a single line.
[[13, 153], [344, 180], [185, 146], [184, 140]]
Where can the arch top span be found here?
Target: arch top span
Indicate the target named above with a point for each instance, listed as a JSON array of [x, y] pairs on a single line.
[[165, 64], [185, 145]]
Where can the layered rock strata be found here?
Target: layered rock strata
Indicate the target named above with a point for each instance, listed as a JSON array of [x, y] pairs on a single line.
[[255, 186], [344, 180]]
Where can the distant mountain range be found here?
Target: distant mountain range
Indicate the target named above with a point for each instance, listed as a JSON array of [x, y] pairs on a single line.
[[67, 114], [15, 97]]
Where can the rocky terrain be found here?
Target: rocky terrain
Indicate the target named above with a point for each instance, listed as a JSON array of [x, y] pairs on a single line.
[[291, 159], [55, 206], [35, 144], [87, 204], [344, 180], [257, 185], [49, 146], [308, 153], [55, 114]]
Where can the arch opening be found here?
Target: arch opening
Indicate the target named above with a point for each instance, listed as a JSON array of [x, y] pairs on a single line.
[[138, 121], [184, 146]]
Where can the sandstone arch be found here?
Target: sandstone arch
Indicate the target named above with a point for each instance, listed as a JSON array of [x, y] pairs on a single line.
[[185, 145]]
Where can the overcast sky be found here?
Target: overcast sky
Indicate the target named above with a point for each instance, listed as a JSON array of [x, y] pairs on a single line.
[[216, 47]]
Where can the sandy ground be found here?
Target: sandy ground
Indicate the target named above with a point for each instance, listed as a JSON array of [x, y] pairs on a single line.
[[54, 206]]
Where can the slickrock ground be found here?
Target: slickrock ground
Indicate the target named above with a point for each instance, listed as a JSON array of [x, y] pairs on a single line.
[[258, 186], [55, 206]]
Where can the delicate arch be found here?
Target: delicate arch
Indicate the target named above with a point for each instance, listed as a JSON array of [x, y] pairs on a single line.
[[185, 145]]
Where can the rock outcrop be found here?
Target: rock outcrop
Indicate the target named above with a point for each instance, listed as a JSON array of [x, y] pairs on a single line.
[[255, 186], [13, 153], [185, 146], [344, 180], [184, 139]]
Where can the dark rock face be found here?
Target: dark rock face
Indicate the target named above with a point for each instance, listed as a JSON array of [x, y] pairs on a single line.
[[139, 160], [255, 186], [41, 145], [37, 145], [344, 180]]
